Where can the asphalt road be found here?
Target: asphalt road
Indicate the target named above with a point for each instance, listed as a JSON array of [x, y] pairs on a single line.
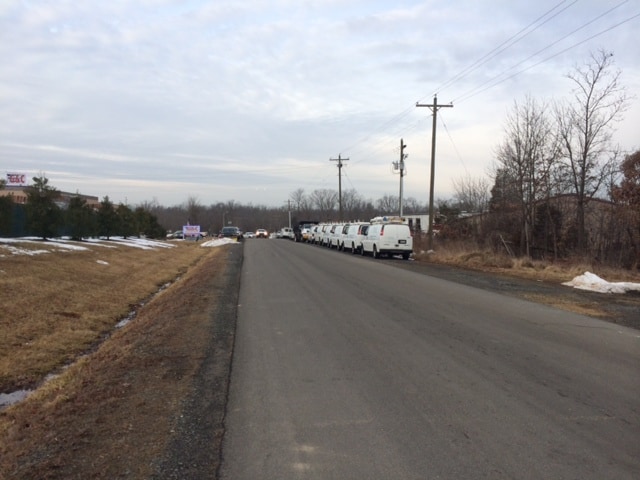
[[351, 368]]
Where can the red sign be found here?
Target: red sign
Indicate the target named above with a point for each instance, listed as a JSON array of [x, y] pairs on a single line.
[[16, 179]]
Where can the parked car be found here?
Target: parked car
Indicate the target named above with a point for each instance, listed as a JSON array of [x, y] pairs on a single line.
[[287, 232], [249, 235], [230, 232], [302, 231], [262, 233], [176, 234], [387, 236]]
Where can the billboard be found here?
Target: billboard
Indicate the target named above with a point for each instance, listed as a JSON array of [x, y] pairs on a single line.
[[191, 231], [16, 179]]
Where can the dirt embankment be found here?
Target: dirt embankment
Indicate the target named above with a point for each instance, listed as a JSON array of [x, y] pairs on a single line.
[[149, 403]]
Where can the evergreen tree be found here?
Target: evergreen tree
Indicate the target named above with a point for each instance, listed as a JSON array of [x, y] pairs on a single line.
[[6, 208], [44, 216], [107, 218], [126, 221], [147, 224], [80, 218]]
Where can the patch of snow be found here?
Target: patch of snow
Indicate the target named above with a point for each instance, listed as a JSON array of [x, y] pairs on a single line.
[[65, 244], [23, 251], [217, 242], [98, 242], [7, 399], [102, 262], [591, 282], [143, 243]]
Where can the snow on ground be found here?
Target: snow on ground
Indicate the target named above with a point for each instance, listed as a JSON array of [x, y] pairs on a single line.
[[593, 283], [217, 242], [18, 246]]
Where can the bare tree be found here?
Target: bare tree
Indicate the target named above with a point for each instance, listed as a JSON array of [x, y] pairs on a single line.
[[299, 199], [526, 157], [472, 194], [388, 204], [585, 129], [325, 201], [194, 209], [627, 195], [412, 205], [352, 204]]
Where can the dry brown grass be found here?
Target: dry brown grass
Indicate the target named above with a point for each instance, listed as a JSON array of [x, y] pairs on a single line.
[[111, 414], [465, 255], [57, 305]]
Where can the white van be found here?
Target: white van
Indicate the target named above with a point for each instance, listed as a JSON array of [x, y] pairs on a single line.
[[335, 234], [387, 236], [287, 232], [352, 236]]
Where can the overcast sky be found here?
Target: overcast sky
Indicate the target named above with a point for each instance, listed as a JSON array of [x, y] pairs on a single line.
[[145, 100]]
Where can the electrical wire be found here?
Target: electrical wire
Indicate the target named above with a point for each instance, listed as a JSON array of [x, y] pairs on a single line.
[[483, 60], [395, 121], [494, 82], [453, 143], [506, 44]]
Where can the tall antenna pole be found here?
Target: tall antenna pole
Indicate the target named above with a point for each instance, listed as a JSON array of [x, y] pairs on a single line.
[[434, 108], [339, 160]]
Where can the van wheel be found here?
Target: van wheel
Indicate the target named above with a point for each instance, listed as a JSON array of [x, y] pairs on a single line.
[[376, 254], [362, 251], [405, 255], [353, 249]]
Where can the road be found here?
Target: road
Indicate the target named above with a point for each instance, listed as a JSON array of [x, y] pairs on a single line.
[[351, 368]]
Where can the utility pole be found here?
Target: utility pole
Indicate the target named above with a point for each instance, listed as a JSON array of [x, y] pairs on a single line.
[[339, 160], [434, 108], [401, 167]]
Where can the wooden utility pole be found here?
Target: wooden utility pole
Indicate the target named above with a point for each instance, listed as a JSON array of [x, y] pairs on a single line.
[[401, 168], [339, 160], [399, 165], [434, 108]]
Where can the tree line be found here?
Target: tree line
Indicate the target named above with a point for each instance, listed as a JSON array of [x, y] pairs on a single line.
[[44, 216], [560, 186]]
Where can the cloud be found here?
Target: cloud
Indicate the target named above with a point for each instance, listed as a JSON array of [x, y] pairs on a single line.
[[152, 99]]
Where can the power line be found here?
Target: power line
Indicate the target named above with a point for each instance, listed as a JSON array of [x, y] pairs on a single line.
[[505, 45], [494, 82], [455, 147]]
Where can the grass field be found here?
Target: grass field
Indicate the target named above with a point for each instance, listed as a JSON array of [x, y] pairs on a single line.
[[112, 412], [59, 299]]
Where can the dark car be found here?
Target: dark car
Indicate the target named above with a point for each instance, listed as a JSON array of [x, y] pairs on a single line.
[[230, 232]]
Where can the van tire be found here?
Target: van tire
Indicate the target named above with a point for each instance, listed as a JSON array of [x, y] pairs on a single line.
[[375, 253], [405, 255], [353, 249]]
